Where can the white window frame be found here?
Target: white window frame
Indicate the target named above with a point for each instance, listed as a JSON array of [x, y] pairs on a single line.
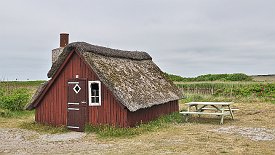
[[90, 93]]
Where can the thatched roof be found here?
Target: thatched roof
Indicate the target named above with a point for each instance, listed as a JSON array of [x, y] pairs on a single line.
[[135, 80]]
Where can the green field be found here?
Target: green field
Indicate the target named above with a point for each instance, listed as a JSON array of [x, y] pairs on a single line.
[[228, 91], [20, 84]]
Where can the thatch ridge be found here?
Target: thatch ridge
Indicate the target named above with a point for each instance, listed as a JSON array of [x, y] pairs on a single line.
[[104, 51]]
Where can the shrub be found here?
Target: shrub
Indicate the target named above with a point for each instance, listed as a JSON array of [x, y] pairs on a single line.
[[238, 77], [174, 77], [16, 100], [224, 77], [211, 77]]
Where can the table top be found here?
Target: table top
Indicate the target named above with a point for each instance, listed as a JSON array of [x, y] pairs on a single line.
[[209, 103]]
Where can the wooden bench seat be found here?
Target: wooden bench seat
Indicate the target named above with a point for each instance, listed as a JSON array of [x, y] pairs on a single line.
[[202, 113], [189, 113], [233, 109]]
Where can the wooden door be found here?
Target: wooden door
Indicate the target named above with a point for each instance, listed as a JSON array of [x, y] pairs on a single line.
[[77, 108]]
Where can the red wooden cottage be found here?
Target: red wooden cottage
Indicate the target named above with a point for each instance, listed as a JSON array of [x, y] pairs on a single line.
[[99, 85]]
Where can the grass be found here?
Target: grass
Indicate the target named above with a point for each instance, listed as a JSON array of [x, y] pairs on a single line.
[[41, 128], [15, 114], [16, 118], [107, 131], [21, 83], [24, 113], [9, 86], [25, 120]]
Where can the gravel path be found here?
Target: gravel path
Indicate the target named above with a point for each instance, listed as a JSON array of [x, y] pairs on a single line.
[[20, 141], [256, 134], [184, 139]]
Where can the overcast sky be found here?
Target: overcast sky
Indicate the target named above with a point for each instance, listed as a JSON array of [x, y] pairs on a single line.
[[184, 37]]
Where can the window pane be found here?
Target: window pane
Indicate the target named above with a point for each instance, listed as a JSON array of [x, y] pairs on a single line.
[[97, 99], [93, 100], [93, 92], [95, 86], [95, 89]]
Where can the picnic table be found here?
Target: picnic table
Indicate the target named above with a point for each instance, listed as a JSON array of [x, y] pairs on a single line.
[[209, 108]]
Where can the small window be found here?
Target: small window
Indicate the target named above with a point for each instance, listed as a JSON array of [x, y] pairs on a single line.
[[94, 93]]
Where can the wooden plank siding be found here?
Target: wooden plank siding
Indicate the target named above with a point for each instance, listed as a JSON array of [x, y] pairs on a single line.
[[148, 114], [53, 106]]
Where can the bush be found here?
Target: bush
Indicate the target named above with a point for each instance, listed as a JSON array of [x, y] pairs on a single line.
[[238, 77], [224, 77], [174, 77], [16, 100]]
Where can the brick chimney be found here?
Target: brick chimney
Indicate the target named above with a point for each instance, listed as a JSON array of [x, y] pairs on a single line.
[[64, 40]]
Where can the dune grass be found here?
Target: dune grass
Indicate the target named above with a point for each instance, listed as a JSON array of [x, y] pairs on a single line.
[[41, 128], [107, 131]]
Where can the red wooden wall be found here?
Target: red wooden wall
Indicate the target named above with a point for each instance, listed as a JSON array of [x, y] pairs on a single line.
[[148, 114], [53, 106]]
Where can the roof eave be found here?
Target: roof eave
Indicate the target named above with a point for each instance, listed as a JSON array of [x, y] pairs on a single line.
[[131, 109]]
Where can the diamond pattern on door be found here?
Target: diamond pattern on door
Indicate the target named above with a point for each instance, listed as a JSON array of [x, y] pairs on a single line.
[[77, 88]]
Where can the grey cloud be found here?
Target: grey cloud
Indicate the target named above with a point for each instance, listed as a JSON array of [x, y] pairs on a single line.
[[186, 37]]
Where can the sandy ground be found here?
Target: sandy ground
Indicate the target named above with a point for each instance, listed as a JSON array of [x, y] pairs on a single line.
[[252, 132]]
